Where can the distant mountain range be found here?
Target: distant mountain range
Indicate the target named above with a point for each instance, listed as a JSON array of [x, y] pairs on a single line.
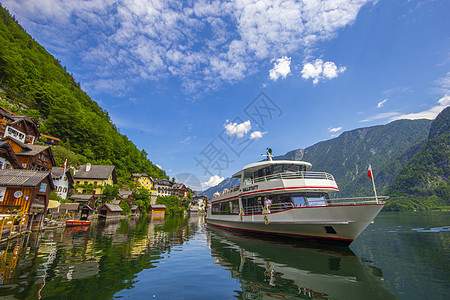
[[388, 148]]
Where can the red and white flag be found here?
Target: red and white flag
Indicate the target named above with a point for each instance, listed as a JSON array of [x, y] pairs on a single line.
[[369, 172], [64, 167]]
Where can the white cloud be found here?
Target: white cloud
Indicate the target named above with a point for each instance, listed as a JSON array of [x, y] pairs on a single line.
[[319, 70], [202, 43], [281, 68], [426, 114], [381, 103], [256, 135], [213, 181], [335, 129], [430, 113], [238, 129], [381, 116]]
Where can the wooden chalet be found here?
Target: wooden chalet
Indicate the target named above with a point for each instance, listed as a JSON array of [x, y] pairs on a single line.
[[25, 193], [32, 157], [8, 159], [109, 210], [23, 128]]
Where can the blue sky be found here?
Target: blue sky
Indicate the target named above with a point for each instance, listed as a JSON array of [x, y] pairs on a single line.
[[205, 86]]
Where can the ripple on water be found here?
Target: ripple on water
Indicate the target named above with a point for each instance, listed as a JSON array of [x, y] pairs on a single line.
[[434, 229]]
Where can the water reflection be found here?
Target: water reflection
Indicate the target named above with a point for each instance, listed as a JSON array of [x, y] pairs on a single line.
[[97, 261], [270, 269]]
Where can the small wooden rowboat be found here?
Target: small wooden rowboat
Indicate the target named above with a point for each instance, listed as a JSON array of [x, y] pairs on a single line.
[[73, 223]]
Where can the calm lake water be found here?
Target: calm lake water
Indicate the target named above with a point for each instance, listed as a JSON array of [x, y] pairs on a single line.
[[398, 256]]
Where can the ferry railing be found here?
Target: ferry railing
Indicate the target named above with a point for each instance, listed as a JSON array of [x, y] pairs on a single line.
[[357, 200], [291, 175], [250, 210]]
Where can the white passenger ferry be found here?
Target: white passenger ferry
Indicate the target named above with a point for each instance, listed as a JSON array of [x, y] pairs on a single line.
[[281, 197]]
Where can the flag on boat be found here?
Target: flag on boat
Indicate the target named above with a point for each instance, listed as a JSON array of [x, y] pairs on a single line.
[[369, 172]]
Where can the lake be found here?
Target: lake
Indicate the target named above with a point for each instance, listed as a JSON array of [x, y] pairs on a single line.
[[396, 257]]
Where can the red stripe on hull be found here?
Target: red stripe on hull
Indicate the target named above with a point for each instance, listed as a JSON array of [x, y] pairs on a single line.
[[285, 234]]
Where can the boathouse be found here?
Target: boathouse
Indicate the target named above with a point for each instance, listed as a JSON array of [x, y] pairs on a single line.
[[157, 209], [69, 210], [109, 210]]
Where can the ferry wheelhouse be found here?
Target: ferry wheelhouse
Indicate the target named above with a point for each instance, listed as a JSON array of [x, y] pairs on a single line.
[[282, 197]]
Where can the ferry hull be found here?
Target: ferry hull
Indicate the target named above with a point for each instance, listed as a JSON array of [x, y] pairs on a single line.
[[341, 224]]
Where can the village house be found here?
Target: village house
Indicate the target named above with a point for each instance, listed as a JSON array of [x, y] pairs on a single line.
[[25, 193], [180, 190], [63, 181], [163, 187], [144, 181], [97, 175], [8, 159], [32, 157], [22, 128]]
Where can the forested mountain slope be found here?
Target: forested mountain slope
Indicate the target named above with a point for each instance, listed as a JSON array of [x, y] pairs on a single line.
[[424, 180], [34, 83]]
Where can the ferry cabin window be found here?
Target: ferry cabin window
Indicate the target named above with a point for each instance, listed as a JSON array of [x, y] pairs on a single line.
[[310, 199], [225, 208]]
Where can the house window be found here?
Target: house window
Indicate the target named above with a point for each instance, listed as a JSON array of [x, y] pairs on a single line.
[[85, 182], [43, 188], [95, 182], [78, 182]]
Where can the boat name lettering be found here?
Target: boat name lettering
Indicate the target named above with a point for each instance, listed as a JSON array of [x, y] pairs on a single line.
[[250, 188]]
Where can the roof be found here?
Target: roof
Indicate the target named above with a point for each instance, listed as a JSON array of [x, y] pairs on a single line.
[[69, 206], [96, 172], [125, 194], [134, 207], [157, 206], [112, 207], [250, 168], [23, 178], [180, 186], [81, 197], [164, 182], [117, 202], [137, 175], [50, 137]]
